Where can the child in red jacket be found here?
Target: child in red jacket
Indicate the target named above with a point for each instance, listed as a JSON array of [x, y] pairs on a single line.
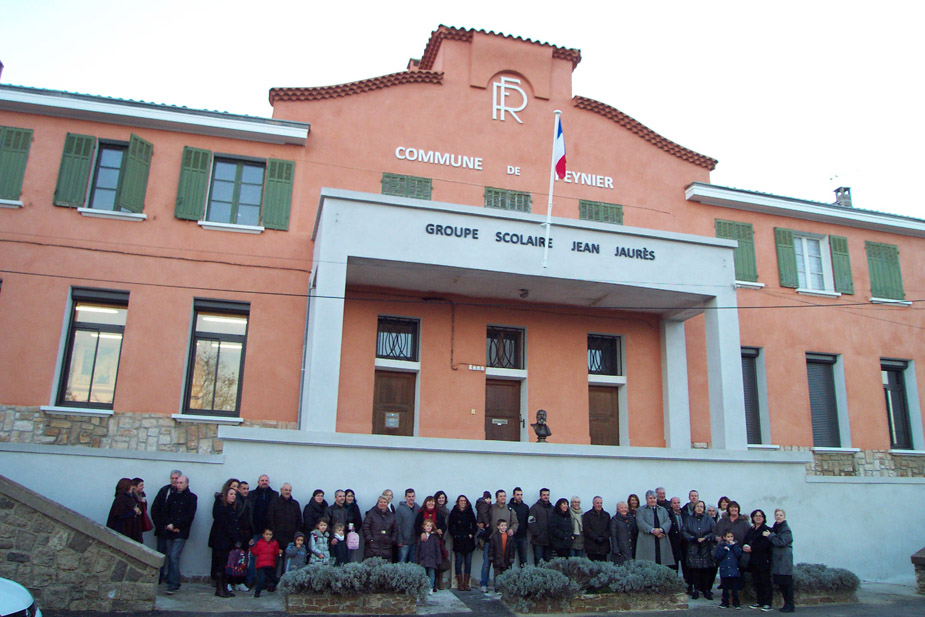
[[266, 550]]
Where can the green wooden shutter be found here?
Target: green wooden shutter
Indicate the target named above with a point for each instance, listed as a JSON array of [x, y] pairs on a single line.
[[406, 186], [74, 172], [277, 194], [133, 181], [600, 212], [194, 184], [786, 258], [886, 279], [746, 266], [841, 264], [14, 150]]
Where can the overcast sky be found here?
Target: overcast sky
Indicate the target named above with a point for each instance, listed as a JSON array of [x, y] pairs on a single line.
[[792, 98]]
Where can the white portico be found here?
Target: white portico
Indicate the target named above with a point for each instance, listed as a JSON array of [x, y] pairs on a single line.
[[375, 240]]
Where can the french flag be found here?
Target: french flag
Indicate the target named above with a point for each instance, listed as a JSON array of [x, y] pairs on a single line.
[[558, 150]]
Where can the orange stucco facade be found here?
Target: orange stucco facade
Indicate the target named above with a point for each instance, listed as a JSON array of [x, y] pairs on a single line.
[[358, 132]]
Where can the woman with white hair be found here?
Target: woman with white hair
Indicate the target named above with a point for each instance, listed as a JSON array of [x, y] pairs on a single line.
[[781, 539]]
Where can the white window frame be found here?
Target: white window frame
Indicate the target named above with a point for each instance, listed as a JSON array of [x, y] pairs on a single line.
[[828, 278]]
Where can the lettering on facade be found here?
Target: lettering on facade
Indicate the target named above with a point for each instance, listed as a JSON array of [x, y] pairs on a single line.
[[438, 158], [501, 90], [578, 177], [643, 253], [521, 239], [452, 231], [586, 247]]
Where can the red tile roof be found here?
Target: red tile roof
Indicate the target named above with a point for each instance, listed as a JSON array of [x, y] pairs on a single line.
[[459, 34], [355, 87], [645, 132]]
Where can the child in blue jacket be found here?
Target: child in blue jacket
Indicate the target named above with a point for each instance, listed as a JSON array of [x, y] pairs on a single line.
[[727, 556]]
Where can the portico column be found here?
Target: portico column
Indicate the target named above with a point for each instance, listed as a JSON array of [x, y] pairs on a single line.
[[724, 373], [675, 397]]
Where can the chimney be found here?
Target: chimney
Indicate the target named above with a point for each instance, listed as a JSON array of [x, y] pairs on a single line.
[[843, 196]]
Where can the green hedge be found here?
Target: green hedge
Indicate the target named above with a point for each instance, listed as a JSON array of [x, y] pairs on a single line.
[[374, 575], [816, 578]]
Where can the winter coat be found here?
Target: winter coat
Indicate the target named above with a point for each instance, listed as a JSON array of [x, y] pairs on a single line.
[[578, 529], [699, 554], [462, 528], [483, 512], [761, 548], [781, 549], [122, 516], [522, 511], [181, 510], [436, 516], [224, 534], [596, 527], [284, 518], [622, 538], [343, 515], [404, 517], [645, 543], [260, 500], [265, 552], [538, 523], [428, 552], [244, 510], [727, 560], [560, 532], [739, 528], [159, 509], [319, 547], [502, 513], [380, 532], [296, 557], [675, 538], [313, 513], [501, 558]]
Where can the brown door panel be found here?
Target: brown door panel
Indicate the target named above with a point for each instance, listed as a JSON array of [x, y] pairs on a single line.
[[393, 403], [502, 410], [603, 415]]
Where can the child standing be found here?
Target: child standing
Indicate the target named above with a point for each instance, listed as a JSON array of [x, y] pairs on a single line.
[[318, 544], [501, 549], [428, 552], [266, 550], [296, 553], [727, 556], [339, 545]]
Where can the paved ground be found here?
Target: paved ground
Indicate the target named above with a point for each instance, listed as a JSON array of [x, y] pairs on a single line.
[[875, 600]]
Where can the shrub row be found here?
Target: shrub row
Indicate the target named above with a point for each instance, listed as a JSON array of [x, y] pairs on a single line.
[[374, 575]]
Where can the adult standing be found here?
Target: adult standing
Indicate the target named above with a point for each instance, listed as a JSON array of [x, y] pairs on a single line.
[[259, 500], [356, 519], [538, 527], [522, 511], [623, 535], [284, 519], [560, 529], [674, 534], [462, 528], [445, 565], [653, 523], [159, 518], [244, 510], [699, 531], [499, 511], [781, 539], [380, 530], [759, 549], [224, 536], [143, 521], [314, 511], [181, 510], [578, 534], [217, 504], [124, 511], [405, 513], [596, 526], [693, 496], [661, 498], [733, 521]]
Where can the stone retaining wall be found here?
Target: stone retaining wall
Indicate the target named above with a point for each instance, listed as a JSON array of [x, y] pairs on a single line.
[[120, 431], [69, 562], [368, 604]]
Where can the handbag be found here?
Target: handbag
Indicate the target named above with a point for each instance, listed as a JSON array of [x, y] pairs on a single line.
[[146, 524], [237, 563], [744, 560]]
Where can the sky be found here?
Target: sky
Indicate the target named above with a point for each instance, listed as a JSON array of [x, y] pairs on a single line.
[[792, 98]]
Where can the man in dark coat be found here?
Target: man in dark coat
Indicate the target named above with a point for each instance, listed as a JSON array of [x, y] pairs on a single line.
[[260, 499], [159, 518], [380, 531], [284, 519], [522, 511], [180, 511], [674, 534], [595, 524], [538, 527]]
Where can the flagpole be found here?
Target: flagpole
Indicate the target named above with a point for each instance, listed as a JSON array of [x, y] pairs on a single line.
[[552, 183]]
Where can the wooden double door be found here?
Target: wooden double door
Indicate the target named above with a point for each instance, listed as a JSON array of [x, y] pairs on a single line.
[[393, 403], [603, 415], [502, 410]]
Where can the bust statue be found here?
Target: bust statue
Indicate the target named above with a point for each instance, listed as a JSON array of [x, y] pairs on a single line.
[[540, 427]]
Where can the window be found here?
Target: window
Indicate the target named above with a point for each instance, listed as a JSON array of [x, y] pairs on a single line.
[[397, 339], [822, 400], [600, 212], [507, 200], [750, 386], [744, 256], [406, 186], [93, 348], [813, 262], [119, 178], [897, 406], [504, 348], [886, 280], [14, 151], [604, 355], [234, 190], [217, 358]]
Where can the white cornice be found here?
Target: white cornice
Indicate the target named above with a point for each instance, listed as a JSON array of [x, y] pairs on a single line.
[[145, 115], [808, 210]]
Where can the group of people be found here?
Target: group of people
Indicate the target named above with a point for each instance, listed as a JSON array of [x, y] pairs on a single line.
[[270, 533]]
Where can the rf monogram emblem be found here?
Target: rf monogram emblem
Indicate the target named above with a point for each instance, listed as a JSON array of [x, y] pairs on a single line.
[[500, 92]]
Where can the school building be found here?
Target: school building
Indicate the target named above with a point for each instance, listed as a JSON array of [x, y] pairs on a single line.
[[366, 291]]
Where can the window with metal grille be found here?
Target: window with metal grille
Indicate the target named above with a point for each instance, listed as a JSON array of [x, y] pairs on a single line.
[[750, 385], [822, 402], [897, 406], [604, 355], [600, 212], [406, 186], [397, 339], [505, 199], [504, 348]]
